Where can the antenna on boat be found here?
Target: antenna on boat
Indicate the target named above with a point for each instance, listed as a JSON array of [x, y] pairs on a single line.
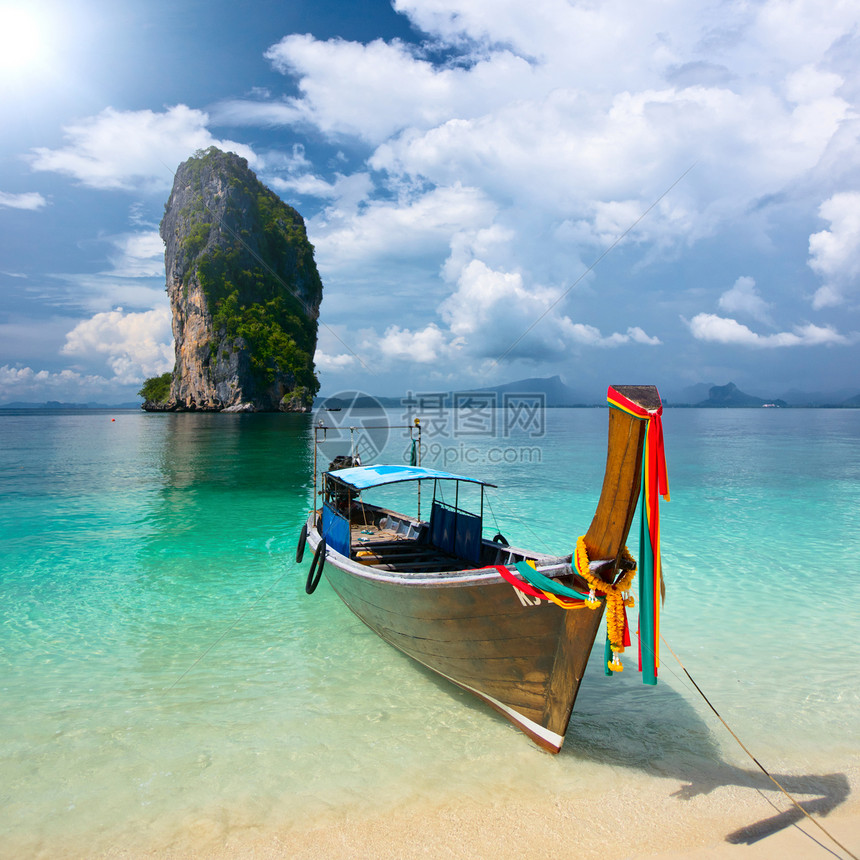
[[321, 432]]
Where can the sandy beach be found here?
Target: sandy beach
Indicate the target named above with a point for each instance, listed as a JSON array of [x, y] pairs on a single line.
[[656, 820], [651, 823]]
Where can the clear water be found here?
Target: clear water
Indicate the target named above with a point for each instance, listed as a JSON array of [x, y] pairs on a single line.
[[167, 685]]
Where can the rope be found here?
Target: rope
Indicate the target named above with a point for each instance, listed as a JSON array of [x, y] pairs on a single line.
[[227, 629], [760, 766], [591, 268], [524, 523]]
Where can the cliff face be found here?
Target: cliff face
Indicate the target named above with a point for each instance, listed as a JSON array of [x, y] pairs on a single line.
[[244, 291]]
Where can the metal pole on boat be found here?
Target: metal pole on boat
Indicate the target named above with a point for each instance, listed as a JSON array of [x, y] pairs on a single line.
[[316, 430], [418, 459]]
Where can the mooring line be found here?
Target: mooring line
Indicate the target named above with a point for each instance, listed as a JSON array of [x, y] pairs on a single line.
[[592, 267], [547, 548], [227, 630], [760, 766]]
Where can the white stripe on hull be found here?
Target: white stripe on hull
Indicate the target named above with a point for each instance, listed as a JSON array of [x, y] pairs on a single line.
[[550, 737]]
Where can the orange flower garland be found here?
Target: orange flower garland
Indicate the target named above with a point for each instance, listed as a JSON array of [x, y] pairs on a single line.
[[617, 597]]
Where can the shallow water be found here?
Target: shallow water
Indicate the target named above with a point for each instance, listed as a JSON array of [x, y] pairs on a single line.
[[165, 680]]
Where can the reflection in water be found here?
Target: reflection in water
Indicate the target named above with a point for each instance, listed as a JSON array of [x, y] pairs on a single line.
[[221, 472], [263, 451]]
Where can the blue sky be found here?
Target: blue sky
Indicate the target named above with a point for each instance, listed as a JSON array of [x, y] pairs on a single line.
[[461, 165]]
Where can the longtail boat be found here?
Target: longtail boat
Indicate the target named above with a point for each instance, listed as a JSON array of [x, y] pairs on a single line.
[[513, 626]]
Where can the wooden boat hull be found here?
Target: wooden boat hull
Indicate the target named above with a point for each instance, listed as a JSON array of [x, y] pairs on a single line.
[[524, 658]]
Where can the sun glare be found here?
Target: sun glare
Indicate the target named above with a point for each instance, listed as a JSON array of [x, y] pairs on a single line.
[[22, 40]]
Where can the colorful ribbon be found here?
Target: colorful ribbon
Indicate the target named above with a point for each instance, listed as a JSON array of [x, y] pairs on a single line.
[[540, 586], [655, 483]]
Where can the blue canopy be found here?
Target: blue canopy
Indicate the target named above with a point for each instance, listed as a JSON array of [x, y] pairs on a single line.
[[363, 477]]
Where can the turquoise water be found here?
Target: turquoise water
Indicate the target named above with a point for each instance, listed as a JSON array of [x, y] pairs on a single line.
[[166, 683]]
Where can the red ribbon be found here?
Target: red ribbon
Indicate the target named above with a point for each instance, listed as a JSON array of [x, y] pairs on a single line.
[[522, 585], [656, 453]]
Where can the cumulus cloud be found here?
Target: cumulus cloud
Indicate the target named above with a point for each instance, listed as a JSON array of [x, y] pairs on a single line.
[[132, 150], [26, 383], [505, 149], [134, 345], [493, 314], [137, 255], [347, 234], [324, 361], [504, 154], [376, 90], [709, 327], [347, 191], [31, 200], [835, 253], [424, 346], [638, 336], [743, 298]]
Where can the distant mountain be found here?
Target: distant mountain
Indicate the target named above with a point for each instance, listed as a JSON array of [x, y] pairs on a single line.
[[819, 398], [731, 396], [555, 391], [852, 402], [689, 395], [56, 404], [552, 387]]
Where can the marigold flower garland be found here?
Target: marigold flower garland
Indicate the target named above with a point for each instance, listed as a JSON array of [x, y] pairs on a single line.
[[617, 597]]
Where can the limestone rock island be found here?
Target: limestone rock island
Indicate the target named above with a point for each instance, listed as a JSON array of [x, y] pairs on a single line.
[[244, 292]]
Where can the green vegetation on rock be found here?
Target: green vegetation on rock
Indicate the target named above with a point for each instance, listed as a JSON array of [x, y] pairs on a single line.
[[156, 389], [234, 240], [265, 329]]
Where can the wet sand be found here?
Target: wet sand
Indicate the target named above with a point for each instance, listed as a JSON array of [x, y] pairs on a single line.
[[652, 823], [654, 819]]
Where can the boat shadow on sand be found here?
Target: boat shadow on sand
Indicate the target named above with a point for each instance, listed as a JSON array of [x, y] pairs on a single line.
[[658, 731], [621, 723]]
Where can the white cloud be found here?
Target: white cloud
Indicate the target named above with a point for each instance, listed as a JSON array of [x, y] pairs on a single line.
[[493, 313], [516, 145], [347, 234], [709, 327], [323, 361], [525, 152], [835, 253], [138, 255], [348, 191], [373, 91], [24, 383], [31, 200], [743, 298], [638, 336], [95, 293], [425, 346], [135, 345], [132, 150]]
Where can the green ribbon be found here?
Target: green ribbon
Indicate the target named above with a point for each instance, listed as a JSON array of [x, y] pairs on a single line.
[[544, 583]]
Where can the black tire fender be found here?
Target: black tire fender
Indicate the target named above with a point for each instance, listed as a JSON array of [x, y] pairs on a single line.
[[300, 549], [500, 539], [316, 569]]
